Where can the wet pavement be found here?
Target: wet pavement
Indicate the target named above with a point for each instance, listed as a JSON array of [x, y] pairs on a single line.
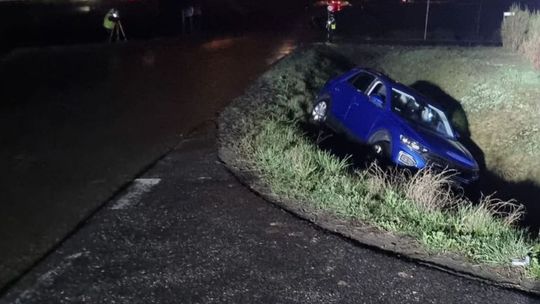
[[187, 232], [79, 122]]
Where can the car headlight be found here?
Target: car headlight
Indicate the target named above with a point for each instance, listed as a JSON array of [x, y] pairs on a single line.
[[412, 144]]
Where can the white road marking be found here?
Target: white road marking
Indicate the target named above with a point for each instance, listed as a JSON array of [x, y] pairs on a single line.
[[134, 192], [48, 278]]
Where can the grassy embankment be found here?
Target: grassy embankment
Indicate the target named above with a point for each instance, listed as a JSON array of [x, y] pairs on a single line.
[[274, 144]]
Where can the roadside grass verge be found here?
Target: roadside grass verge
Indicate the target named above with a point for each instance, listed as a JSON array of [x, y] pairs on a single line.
[[271, 141], [420, 206]]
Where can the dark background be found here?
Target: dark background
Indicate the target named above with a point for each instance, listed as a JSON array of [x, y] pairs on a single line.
[[37, 23]]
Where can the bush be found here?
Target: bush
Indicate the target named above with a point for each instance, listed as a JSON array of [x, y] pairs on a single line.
[[531, 46], [514, 28], [521, 33]]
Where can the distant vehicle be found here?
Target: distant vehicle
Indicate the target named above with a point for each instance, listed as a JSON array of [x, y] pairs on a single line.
[[399, 123]]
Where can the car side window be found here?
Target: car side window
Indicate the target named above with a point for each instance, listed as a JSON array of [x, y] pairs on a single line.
[[362, 81], [399, 101], [402, 102], [379, 89]]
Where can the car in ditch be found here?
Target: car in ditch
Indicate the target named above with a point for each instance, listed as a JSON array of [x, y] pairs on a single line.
[[399, 123]]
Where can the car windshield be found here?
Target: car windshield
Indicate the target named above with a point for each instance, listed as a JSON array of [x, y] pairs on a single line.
[[425, 115]]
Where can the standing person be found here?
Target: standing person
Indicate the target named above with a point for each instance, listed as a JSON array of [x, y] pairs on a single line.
[[330, 26], [111, 22], [108, 22], [187, 18]]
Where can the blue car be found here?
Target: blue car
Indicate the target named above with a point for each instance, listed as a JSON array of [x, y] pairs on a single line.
[[399, 123]]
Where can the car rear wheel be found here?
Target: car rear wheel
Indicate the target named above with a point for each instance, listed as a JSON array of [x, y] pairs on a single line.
[[320, 112]]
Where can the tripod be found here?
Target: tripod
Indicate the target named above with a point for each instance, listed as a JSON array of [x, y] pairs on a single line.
[[117, 33]]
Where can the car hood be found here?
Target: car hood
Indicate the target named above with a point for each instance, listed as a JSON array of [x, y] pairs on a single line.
[[443, 147]]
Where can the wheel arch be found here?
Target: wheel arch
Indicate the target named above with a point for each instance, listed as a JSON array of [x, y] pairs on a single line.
[[325, 96], [380, 135]]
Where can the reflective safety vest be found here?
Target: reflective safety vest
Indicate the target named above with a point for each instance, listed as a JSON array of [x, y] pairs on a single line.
[[331, 24], [107, 22]]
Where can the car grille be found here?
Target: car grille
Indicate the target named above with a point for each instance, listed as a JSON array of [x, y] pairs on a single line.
[[438, 164]]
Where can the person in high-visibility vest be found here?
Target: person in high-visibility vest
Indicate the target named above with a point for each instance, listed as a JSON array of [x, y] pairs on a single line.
[[109, 20], [330, 26]]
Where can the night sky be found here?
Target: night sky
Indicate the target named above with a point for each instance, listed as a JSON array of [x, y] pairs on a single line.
[[46, 22]]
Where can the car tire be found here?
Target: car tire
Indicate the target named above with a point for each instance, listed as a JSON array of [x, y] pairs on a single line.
[[320, 112], [381, 150]]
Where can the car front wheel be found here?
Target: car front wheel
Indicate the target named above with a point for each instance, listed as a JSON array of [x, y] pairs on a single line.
[[320, 112], [381, 150]]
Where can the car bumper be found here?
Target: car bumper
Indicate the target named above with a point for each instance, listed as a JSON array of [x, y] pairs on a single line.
[[462, 175], [412, 159]]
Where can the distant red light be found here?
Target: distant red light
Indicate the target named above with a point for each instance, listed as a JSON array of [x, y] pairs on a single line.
[[334, 5]]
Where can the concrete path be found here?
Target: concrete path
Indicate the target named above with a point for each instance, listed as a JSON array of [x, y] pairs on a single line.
[[187, 232]]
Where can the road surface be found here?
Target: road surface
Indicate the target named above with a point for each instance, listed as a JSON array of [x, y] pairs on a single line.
[[187, 232], [77, 123]]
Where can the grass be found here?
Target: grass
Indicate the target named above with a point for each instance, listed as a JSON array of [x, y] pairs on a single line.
[[271, 141], [296, 169]]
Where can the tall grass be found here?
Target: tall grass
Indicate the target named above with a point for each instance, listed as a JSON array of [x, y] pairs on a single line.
[[421, 205], [521, 33]]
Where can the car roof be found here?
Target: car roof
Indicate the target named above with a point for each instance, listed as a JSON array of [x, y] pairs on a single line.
[[393, 84]]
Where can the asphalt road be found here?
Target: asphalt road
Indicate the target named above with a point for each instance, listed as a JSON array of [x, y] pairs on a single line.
[[77, 123], [187, 232]]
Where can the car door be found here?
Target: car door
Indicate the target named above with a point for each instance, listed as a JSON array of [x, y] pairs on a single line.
[[363, 113], [347, 92]]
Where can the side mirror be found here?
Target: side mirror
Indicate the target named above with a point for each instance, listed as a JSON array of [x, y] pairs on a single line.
[[377, 100]]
